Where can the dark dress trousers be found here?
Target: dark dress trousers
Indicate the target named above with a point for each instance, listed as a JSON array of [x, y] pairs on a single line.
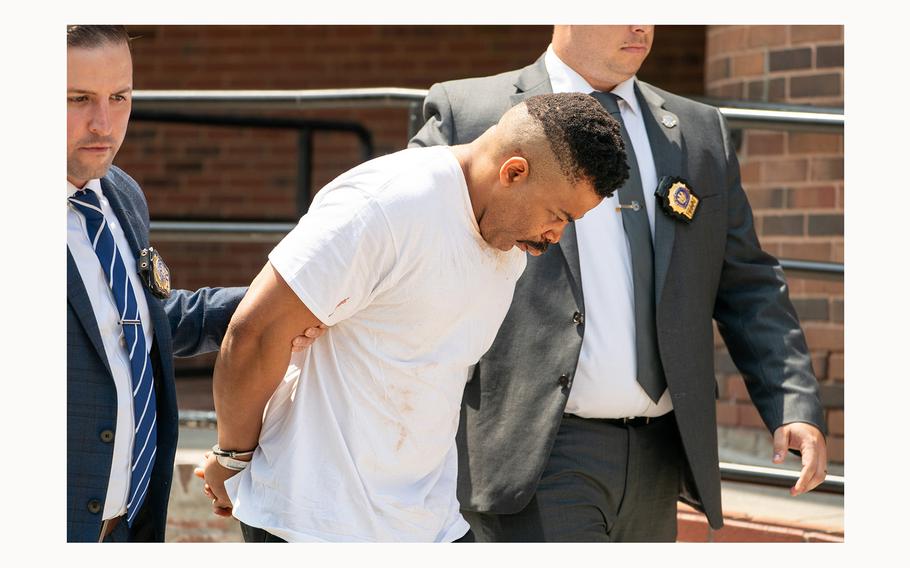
[[711, 269], [186, 324]]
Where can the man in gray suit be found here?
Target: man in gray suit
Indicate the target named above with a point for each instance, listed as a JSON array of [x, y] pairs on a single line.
[[594, 410]]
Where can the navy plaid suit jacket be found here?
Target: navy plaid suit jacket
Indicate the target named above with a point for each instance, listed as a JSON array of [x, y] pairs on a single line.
[[187, 323]]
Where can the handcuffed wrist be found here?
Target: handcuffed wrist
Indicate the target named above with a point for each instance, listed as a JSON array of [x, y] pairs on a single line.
[[216, 450], [231, 463]]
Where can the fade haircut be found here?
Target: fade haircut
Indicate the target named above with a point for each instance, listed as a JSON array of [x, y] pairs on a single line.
[[96, 36], [584, 138]]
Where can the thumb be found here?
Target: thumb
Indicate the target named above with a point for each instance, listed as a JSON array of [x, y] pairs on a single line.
[[199, 472], [781, 444]]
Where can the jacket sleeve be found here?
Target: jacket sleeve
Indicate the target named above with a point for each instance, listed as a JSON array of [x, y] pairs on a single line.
[[439, 128], [757, 320], [199, 319]]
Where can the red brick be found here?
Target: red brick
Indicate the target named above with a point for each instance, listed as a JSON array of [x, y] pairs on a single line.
[[748, 65], [768, 36], [764, 143], [815, 143], [750, 172], [718, 69], [785, 170], [839, 246], [821, 252], [819, 287], [812, 197], [816, 85], [767, 197], [732, 90], [749, 416], [746, 531], [836, 366], [836, 449], [827, 168], [824, 338], [736, 389], [810, 34], [836, 422], [692, 527], [823, 537], [729, 40], [727, 414]]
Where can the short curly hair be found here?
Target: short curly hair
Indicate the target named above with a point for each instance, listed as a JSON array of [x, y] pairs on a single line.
[[584, 138]]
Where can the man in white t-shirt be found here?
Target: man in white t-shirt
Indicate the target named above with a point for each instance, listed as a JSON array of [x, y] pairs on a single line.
[[411, 259]]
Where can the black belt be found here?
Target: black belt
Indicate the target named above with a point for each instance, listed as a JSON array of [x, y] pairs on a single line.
[[634, 422]]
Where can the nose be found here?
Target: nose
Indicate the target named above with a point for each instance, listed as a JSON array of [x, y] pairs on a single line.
[[100, 122], [642, 28]]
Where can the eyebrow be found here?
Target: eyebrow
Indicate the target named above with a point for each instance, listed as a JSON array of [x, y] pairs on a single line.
[[87, 92]]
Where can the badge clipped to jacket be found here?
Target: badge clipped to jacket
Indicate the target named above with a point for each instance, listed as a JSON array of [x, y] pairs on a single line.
[[676, 198], [154, 272]]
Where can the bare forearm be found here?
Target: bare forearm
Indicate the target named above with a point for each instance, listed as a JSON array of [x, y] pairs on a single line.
[[254, 357], [249, 368]]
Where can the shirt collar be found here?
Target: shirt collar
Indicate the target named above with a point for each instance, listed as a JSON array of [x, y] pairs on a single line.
[[94, 185], [564, 79]]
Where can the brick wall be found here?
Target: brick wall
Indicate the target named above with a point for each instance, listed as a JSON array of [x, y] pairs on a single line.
[[795, 183]]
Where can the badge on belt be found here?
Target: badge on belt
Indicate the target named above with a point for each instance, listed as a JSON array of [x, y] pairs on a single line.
[[677, 199], [154, 272]]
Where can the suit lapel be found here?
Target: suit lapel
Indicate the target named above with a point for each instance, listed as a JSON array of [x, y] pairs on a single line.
[[129, 222], [82, 305], [533, 80], [667, 151]]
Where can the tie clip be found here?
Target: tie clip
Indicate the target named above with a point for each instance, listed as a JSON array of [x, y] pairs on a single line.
[[634, 206], [130, 322]]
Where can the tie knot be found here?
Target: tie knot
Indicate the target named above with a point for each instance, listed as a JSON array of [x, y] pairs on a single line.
[[610, 101], [86, 201]]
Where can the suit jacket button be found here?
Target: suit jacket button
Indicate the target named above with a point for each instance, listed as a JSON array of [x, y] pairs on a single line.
[[94, 506], [578, 318], [564, 381], [107, 436]]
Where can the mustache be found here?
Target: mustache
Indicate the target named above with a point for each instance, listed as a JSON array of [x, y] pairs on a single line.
[[97, 141], [537, 245]]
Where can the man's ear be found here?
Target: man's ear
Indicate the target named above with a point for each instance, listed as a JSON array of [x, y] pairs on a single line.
[[514, 170]]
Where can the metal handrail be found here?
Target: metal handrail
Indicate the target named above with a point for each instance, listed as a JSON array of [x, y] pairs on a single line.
[[775, 476], [768, 116]]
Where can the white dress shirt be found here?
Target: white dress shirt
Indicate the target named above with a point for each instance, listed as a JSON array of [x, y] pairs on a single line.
[[108, 318], [605, 384]]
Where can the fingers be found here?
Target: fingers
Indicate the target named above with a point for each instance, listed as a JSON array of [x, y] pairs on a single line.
[[214, 476], [812, 447], [781, 444], [305, 340], [808, 473]]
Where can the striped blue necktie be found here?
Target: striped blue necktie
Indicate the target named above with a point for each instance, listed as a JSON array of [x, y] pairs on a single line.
[[145, 435]]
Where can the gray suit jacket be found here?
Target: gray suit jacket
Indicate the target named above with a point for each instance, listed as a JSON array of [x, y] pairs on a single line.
[[187, 323], [710, 269]]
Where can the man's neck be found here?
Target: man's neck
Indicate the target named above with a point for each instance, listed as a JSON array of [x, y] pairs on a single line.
[[465, 154]]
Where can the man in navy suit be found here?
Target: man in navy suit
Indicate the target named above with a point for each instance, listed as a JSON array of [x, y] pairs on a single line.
[[120, 452]]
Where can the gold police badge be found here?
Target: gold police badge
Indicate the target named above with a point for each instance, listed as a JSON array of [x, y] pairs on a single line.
[[154, 272], [677, 199]]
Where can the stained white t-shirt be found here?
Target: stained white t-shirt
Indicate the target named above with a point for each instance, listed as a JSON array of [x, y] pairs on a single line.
[[358, 441]]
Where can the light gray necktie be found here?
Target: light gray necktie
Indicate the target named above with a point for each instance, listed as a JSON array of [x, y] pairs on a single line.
[[638, 232]]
